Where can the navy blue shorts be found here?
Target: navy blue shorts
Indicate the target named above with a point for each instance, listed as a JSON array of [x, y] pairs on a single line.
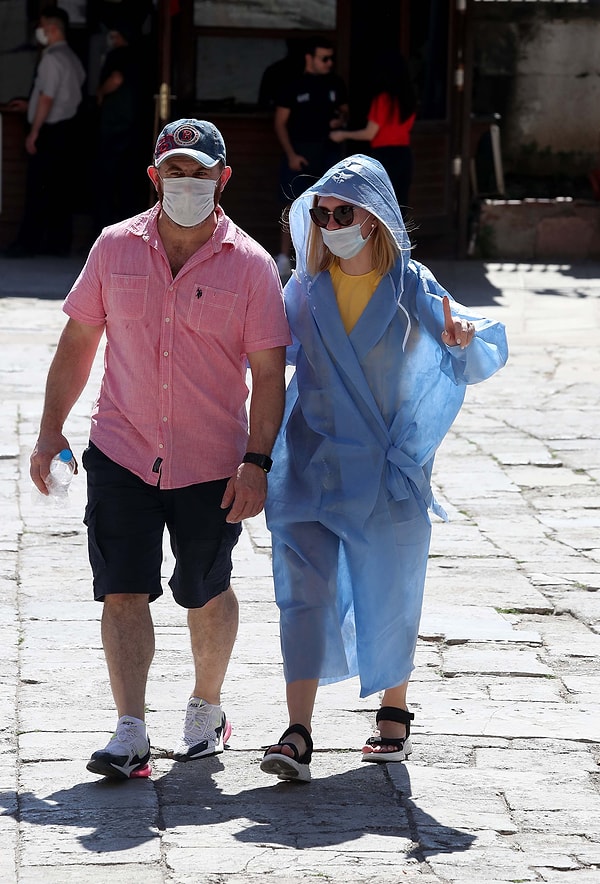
[[126, 519]]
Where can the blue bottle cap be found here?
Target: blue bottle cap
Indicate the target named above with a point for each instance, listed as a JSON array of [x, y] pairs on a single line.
[[65, 455]]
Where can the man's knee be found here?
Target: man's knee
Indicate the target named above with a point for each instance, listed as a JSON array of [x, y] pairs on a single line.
[[220, 609], [125, 602]]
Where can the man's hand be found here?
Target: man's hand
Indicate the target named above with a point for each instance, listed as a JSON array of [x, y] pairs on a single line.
[[47, 445], [19, 105], [245, 493], [30, 143], [457, 332], [297, 162]]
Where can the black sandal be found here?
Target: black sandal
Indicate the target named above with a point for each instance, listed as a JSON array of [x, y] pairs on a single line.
[[295, 769], [403, 745]]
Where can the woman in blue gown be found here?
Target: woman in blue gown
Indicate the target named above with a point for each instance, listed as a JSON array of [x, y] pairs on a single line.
[[383, 355]]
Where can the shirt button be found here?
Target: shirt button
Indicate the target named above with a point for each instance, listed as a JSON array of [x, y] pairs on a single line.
[[168, 319], [160, 445], [166, 353], [165, 419], [165, 386]]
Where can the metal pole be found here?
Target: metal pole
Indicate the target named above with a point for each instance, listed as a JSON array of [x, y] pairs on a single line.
[[163, 98], [464, 197]]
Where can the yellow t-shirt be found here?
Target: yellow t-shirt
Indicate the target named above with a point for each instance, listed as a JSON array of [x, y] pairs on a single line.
[[352, 293]]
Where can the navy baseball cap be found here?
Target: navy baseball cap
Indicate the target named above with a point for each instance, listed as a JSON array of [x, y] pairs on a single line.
[[197, 139]]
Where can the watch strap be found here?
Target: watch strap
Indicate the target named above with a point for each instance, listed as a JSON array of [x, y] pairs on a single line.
[[260, 460]]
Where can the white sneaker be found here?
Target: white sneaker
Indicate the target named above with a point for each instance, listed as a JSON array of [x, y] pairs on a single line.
[[283, 266], [205, 732], [127, 753]]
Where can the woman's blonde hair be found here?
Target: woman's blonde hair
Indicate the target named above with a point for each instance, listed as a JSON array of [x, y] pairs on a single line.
[[384, 250]]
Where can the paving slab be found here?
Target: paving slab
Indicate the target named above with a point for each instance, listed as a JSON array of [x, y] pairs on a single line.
[[502, 784]]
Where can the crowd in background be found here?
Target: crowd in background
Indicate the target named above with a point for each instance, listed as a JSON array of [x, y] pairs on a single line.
[[310, 103]]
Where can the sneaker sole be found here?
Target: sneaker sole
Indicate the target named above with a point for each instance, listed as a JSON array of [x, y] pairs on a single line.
[[207, 753], [105, 769]]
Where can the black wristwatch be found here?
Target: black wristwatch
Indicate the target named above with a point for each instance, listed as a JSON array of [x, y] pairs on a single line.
[[261, 460]]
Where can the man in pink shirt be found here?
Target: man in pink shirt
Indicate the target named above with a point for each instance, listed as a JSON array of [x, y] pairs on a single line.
[[187, 300]]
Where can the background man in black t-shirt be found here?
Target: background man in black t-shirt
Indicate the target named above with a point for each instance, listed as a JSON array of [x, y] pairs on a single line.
[[306, 110], [121, 191]]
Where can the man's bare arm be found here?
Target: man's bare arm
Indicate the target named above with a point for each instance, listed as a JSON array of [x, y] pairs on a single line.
[[67, 377], [43, 108], [247, 490], [295, 161]]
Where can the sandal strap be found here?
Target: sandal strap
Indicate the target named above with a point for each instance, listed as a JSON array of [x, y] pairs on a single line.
[[392, 713], [398, 743], [302, 732]]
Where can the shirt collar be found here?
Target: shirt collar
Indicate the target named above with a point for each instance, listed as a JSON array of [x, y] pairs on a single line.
[[224, 232], [146, 226]]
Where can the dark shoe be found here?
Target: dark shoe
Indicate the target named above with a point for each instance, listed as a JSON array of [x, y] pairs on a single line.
[[403, 745], [295, 769]]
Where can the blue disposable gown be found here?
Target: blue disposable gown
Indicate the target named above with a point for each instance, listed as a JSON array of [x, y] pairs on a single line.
[[349, 491]]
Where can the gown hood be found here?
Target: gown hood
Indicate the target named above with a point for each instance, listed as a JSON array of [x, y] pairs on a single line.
[[361, 181]]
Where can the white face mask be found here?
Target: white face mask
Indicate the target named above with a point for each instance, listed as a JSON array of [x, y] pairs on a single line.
[[345, 242], [188, 201], [40, 36]]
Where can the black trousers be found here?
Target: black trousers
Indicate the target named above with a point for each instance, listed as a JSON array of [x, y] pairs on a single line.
[[398, 163], [47, 224]]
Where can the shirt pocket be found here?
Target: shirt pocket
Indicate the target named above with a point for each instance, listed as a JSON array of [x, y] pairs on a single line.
[[127, 296], [211, 309]]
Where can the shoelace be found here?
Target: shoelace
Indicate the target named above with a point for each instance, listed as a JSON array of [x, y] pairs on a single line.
[[199, 718], [127, 733]]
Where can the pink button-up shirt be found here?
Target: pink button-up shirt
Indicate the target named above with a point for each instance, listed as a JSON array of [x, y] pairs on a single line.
[[173, 395]]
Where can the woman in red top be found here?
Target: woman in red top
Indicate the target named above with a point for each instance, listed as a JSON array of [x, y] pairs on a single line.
[[390, 120]]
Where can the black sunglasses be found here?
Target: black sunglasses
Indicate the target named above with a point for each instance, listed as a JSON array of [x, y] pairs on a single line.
[[342, 215]]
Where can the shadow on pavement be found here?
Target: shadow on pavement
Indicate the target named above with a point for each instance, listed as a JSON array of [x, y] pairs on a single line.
[[467, 282], [117, 815], [332, 810], [40, 277]]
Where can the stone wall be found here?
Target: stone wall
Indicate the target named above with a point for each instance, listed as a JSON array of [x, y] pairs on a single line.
[[537, 66], [537, 230]]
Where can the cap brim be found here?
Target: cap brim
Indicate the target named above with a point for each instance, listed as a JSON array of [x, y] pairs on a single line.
[[202, 158]]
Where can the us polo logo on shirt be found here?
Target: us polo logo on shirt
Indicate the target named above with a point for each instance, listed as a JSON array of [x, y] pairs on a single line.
[[185, 136]]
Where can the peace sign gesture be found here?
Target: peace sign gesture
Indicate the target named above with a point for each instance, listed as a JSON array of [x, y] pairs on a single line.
[[457, 331]]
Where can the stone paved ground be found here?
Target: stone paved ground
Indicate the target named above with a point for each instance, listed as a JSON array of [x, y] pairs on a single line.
[[503, 782]]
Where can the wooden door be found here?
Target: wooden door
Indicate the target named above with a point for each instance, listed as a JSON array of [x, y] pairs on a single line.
[[425, 32]]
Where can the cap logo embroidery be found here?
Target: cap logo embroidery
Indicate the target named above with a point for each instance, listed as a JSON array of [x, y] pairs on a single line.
[[198, 139], [186, 136]]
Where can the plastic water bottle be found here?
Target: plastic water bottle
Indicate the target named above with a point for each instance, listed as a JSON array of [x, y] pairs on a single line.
[[62, 467]]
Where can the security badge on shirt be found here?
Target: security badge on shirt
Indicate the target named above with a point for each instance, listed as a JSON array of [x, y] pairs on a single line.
[[305, 96]]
